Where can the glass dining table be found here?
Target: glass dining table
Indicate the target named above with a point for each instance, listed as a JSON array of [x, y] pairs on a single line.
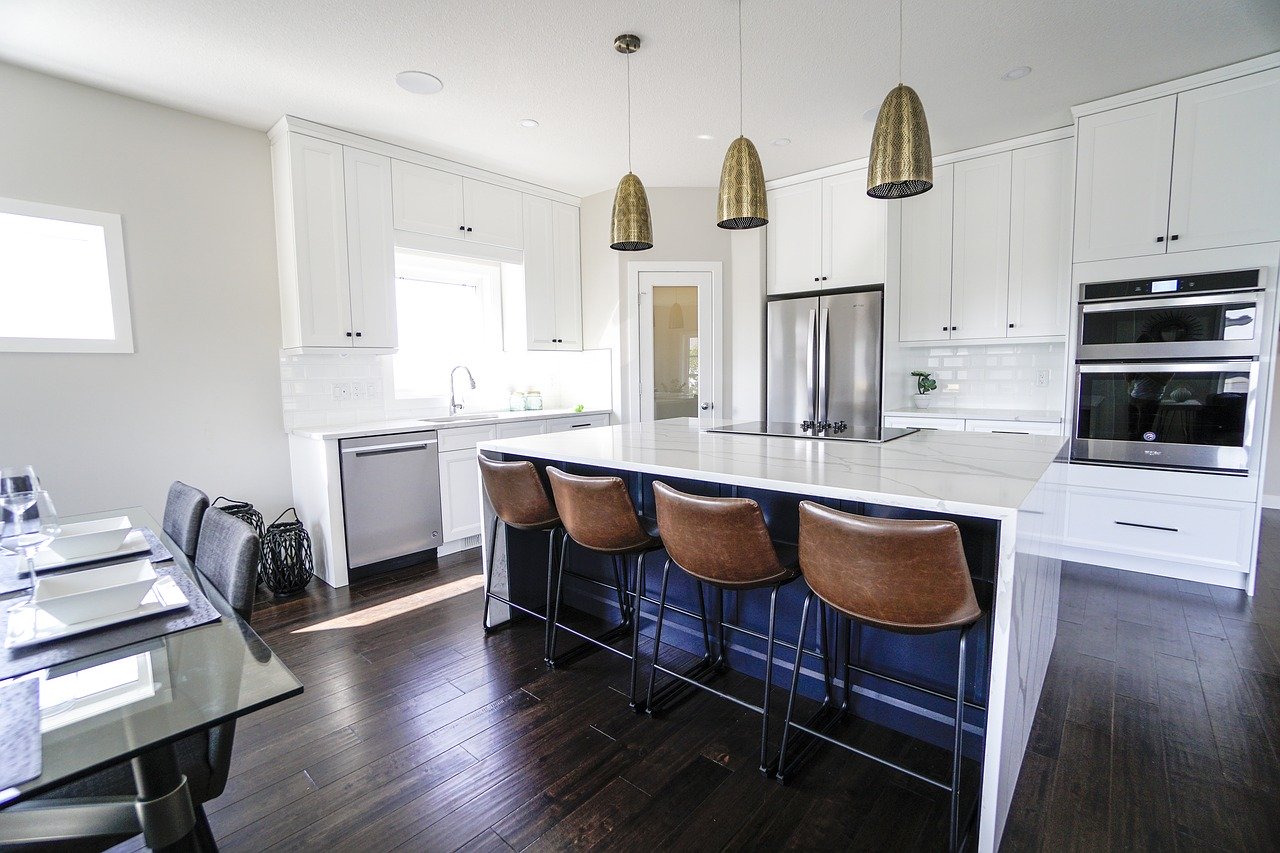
[[134, 703]]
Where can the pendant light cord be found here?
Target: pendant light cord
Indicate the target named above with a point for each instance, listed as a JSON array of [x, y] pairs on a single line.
[[740, 119], [900, 4], [628, 113]]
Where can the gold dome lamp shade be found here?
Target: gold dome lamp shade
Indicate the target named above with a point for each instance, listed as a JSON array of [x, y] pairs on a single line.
[[742, 203], [901, 162], [631, 230]]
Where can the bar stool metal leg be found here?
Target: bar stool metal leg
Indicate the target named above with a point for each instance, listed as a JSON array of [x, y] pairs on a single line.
[[488, 578], [551, 571], [635, 633], [795, 685], [766, 767], [657, 634], [958, 754]]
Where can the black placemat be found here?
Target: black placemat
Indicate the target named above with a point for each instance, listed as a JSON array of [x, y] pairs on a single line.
[[11, 581], [198, 612], [19, 732]]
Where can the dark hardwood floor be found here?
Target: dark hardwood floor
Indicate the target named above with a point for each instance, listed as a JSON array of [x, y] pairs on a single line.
[[1158, 730]]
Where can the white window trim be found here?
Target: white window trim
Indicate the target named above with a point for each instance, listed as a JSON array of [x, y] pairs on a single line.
[[122, 341]]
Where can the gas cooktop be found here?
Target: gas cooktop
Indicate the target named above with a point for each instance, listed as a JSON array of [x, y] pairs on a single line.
[[830, 430]]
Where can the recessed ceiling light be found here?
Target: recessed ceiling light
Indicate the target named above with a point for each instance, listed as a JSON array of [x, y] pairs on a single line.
[[528, 122], [1016, 73], [419, 82], [871, 114], [704, 136], [782, 140]]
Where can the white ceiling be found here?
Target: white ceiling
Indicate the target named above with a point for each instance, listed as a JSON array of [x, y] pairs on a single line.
[[813, 67]]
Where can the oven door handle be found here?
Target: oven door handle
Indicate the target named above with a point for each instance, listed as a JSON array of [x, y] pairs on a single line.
[[1249, 365], [1152, 303]]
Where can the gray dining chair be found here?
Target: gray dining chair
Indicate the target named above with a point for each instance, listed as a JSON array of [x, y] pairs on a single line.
[[227, 558], [183, 512]]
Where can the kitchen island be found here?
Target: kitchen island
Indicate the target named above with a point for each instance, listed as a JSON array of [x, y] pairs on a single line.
[[1001, 490]]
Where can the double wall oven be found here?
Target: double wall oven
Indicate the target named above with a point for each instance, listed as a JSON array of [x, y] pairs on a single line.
[[1167, 372]]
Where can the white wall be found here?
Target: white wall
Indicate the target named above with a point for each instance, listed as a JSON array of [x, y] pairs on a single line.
[[684, 229], [199, 400]]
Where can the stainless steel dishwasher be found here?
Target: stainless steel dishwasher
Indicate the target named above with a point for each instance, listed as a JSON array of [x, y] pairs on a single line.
[[390, 499]]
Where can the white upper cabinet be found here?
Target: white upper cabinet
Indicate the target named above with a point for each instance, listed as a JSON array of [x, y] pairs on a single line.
[[980, 247], [1040, 240], [1226, 164], [427, 201], [545, 313], [1124, 157], [926, 262], [853, 233], [493, 214], [370, 248], [442, 204], [334, 244], [794, 239]]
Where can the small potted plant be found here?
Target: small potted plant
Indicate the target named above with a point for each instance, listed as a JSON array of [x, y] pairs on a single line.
[[924, 384]]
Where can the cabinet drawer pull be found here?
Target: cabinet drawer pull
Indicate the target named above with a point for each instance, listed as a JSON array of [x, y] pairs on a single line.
[[1173, 236], [1147, 526], [1017, 432], [578, 426], [1159, 239]]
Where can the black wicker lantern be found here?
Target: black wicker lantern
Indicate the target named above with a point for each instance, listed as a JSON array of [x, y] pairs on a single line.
[[242, 510], [286, 555]]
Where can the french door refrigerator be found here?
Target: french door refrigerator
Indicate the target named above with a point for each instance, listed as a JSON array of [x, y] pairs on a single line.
[[824, 356]]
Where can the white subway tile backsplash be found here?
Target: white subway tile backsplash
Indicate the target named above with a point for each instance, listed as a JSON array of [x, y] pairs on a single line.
[[999, 376]]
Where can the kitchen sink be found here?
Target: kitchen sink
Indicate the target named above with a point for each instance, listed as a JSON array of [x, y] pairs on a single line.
[[455, 418]]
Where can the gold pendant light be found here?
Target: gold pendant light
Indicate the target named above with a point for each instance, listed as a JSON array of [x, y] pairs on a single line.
[[631, 230], [742, 197], [901, 157]]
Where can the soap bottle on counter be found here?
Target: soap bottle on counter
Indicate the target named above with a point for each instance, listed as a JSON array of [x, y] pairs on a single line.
[[533, 400]]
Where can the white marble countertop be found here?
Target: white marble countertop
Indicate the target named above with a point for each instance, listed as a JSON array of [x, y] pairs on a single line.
[[1043, 416], [966, 473], [466, 419]]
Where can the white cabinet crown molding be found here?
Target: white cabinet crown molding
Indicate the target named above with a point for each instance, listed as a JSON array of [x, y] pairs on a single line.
[[939, 159], [293, 124], [1182, 84]]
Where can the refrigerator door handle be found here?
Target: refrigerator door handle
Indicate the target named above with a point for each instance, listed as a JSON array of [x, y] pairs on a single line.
[[811, 387], [824, 345]]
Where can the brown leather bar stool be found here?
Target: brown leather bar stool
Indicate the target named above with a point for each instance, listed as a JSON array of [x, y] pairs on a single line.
[[722, 543], [910, 577], [598, 515], [519, 501]]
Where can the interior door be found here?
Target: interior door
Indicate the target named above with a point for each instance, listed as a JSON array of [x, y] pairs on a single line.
[[791, 360], [677, 359]]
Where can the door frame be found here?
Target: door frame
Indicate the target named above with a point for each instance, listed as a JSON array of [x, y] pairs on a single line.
[[716, 270]]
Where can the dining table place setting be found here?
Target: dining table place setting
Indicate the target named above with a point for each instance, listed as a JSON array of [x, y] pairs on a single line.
[[82, 587]]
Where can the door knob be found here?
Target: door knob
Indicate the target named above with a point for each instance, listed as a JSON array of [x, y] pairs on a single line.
[[707, 406]]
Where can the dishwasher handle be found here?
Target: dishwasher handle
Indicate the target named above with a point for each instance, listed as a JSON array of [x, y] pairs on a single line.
[[379, 449]]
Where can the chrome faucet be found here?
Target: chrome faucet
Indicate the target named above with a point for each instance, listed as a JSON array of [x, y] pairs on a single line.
[[454, 405]]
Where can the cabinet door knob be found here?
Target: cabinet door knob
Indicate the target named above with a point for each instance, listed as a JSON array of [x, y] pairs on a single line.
[[1173, 236], [348, 334], [1010, 325], [1159, 239], [359, 334], [462, 228], [824, 278], [944, 328], [815, 278], [953, 328], [468, 228]]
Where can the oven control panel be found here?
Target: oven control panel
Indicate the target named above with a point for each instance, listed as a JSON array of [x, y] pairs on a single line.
[[1203, 283]]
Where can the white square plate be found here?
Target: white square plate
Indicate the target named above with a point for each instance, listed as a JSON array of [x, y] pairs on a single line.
[[135, 542], [92, 593], [30, 625], [86, 538]]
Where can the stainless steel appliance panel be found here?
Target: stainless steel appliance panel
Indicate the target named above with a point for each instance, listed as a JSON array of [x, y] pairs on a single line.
[[1218, 325], [850, 326], [791, 361], [390, 496], [1194, 415]]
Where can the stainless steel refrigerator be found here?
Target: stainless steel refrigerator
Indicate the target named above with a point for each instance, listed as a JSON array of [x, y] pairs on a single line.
[[824, 359]]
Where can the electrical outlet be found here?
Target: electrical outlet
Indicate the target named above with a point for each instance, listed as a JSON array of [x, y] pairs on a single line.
[[371, 391], [1042, 378], [342, 390], [357, 390]]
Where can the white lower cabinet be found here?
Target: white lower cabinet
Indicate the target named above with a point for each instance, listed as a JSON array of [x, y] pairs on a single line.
[[577, 422], [460, 494], [1162, 528], [1014, 427], [955, 424]]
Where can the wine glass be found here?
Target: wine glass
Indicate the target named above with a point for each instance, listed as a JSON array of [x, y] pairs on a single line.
[[28, 522], [18, 478]]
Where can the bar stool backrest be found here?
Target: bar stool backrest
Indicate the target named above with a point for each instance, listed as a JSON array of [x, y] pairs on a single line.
[[597, 511], [517, 494], [903, 575], [721, 540]]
